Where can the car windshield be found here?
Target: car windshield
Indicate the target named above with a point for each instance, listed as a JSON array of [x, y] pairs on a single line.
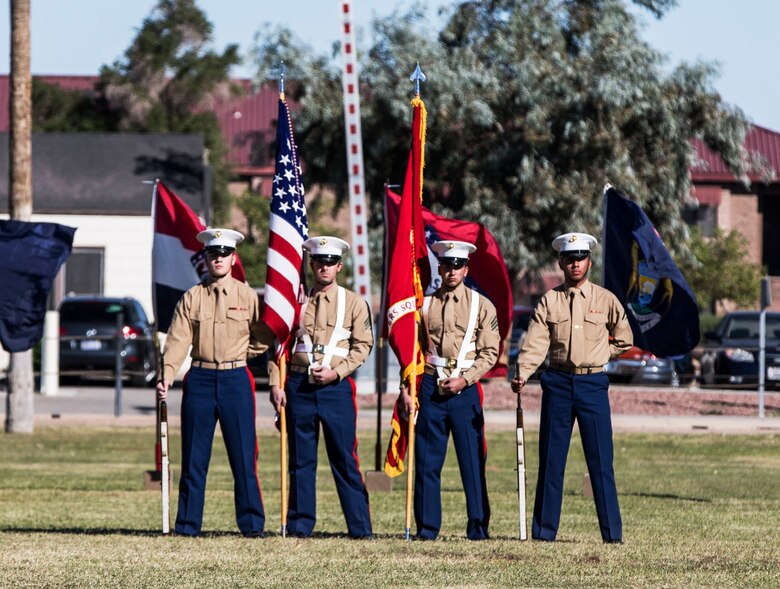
[[91, 312], [746, 327]]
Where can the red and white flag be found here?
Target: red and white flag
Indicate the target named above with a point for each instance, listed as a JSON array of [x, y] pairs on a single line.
[[288, 229], [178, 258]]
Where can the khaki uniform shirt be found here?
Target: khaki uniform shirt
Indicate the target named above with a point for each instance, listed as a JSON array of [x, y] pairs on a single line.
[[218, 332], [550, 329], [319, 321], [446, 331]]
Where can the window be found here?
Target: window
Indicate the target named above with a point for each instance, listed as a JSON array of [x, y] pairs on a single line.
[[84, 271]]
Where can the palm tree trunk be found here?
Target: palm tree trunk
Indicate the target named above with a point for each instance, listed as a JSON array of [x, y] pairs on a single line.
[[19, 404]]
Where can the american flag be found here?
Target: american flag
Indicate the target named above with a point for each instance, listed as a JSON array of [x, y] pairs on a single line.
[[288, 229]]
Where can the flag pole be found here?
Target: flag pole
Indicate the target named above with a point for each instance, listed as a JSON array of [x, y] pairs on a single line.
[[161, 445], [607, 186], [282, 383], [410, 436], [416, 77], [381, 365], [283, 446], [160, 370]]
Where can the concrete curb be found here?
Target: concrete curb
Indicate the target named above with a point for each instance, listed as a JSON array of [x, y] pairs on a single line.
[[94, 406]]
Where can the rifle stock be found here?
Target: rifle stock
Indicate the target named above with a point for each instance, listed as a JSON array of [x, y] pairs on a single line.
[[165, 468], [521, 481], [162, 430]]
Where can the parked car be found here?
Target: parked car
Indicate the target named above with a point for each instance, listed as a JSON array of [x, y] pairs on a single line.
[[88, 330], [639, 366], [521, 315], [258, 364], [732, 354]]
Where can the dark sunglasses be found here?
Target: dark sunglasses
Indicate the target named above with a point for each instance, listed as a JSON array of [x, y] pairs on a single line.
[[454, 265], [569, 258], [213, 254]]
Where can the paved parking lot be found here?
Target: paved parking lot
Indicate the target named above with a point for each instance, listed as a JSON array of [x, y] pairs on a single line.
[[94, 403]]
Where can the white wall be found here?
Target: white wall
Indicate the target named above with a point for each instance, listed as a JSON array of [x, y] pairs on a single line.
[[127, 243]]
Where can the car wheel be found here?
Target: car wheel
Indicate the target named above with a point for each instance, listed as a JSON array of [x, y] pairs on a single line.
[[707, 369], [68, 381]]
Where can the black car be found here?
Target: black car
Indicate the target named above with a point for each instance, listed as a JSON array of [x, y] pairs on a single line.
[[638, 366], [88, 336], [521, 315], [732, 354]]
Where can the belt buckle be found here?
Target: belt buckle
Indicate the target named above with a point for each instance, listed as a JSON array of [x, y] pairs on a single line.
[[318, 349], [452, 363]]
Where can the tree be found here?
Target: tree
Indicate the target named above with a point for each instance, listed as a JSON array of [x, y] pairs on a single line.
[[166, 82], [254, 249], [19, 415], [57, 110], [532, 106], [721, 271]]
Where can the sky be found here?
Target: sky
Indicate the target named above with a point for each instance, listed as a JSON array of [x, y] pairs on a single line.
[[79, 36]]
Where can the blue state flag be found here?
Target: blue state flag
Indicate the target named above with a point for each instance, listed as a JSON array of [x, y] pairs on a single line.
[[640, 272], [30, 257]]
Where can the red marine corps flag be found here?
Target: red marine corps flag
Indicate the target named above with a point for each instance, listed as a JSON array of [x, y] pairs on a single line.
[[488, 273], [407, 252]]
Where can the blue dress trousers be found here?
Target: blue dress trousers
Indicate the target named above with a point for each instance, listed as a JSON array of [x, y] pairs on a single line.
[[584, 397], [440, 415], [333, 407], [227, 396]]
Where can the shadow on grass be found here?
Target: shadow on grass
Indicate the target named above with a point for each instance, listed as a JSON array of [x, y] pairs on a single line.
[[154, 533], [145, 409], [668, 496], [82, 531]]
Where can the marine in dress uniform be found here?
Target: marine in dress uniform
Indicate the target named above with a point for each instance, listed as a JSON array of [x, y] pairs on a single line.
[[582, 326], [217, 318], [333, 339], [459, 333]]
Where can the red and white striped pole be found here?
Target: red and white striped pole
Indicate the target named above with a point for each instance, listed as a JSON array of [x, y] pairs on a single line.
[[357, 198]]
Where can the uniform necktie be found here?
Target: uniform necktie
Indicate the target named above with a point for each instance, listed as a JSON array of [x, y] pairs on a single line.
[[577, 344], [448, 326], [320, 324], [220, 328]]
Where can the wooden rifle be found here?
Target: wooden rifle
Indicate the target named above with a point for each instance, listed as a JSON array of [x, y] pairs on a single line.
[[521, 482]]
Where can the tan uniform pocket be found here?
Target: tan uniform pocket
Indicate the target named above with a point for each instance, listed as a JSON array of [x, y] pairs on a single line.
[[237, 323], [560, 327], [595, 327], [203, 331]]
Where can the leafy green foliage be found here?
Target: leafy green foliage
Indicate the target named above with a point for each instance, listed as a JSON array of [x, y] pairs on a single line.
[[254, 249], [533, 106], [58, 110], [168, 81], [721, 270]]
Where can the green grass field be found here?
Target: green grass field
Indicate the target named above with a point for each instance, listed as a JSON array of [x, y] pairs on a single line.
[[698, 511]]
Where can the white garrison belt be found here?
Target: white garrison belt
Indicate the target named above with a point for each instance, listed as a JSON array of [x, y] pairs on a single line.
[[454, 364], [305, 344]]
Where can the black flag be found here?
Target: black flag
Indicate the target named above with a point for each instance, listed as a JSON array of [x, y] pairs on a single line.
[[640, 272], [30, 257]]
